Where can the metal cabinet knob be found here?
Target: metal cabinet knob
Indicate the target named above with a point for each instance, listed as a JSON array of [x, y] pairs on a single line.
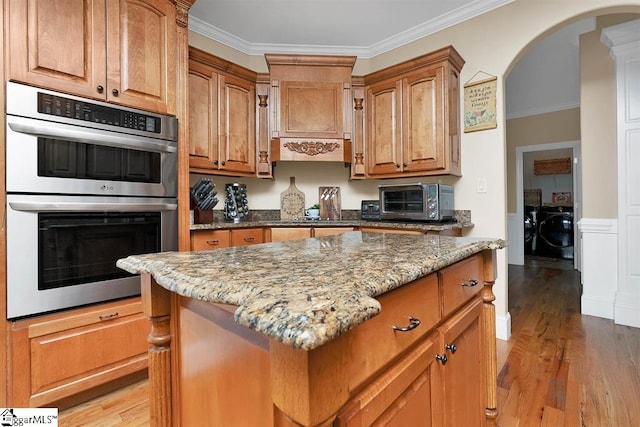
[[100, 89], [115, 92]]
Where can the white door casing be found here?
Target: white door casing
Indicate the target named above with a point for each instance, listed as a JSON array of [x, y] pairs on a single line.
[[624, 43]]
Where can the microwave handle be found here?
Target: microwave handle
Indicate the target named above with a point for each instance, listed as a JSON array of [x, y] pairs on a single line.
[[73, 133], [90, 207]]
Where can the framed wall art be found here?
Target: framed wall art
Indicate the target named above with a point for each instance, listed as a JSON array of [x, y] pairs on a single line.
[[480, 104]]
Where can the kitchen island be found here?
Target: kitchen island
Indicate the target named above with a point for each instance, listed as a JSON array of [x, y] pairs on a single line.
[[351, 329]]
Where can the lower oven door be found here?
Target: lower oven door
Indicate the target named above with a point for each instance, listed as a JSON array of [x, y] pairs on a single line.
[[62, 250]]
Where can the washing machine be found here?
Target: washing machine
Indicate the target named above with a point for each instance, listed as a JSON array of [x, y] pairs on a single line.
[[555, 232], [530, 230]]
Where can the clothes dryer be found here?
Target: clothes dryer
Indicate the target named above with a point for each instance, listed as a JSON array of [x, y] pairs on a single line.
[[555, 232]]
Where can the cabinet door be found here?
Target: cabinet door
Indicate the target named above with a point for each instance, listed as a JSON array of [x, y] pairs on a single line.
[[463, 389], [384, 136], [400, 396], [422, 121], [58, 44], [141, 49], [237, 125], [203, 117]]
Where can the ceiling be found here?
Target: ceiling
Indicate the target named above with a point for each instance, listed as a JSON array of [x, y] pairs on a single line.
[[364, 28]]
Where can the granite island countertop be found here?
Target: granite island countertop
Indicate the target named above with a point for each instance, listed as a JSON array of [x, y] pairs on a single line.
[[306, 292]]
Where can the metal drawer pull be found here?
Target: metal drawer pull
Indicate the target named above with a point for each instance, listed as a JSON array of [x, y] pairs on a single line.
[[213, 242], [451, 347], [108, 316], [249, 239], [470, 283], [413, 323]]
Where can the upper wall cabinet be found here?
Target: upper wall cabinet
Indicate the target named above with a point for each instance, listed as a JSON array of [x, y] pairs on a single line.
[[121, 51], [311, 106], [413, 117], [222, 116]]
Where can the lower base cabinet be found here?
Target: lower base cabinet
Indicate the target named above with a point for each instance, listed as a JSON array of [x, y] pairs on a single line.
[[65, 358], [384, 372]]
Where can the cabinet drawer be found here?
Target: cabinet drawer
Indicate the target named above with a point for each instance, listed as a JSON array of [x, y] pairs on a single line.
[[246, 236], [375, 343], [209, 239], [460, 282], [81, 352], [330, 231], [279, 234]]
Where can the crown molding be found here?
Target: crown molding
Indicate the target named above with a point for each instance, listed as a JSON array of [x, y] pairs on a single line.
[[442, 22]]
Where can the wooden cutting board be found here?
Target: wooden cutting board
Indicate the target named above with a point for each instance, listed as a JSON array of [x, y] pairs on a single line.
[[291, 202]]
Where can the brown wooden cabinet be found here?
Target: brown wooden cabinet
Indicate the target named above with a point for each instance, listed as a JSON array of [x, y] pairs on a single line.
[[413, 364], [279, 234], [210, 239], [222, 116], [247, 236], [412, 117], [330, 231], [216, 239], [461, 385], [116, 51], [55, 357], [311, 107]]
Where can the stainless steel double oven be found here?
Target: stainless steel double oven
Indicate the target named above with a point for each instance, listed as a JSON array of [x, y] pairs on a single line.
[[87, 183]]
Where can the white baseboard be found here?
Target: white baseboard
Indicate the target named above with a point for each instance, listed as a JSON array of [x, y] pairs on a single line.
[[599, 266], [515, 249], [599, 307], [503, 327], [626, 312]]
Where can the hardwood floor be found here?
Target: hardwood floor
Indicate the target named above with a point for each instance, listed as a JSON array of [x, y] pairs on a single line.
[[558, 369]]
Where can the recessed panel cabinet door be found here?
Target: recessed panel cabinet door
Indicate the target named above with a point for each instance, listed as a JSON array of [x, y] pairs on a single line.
[[58, 44], [463, 383], [237, 125], [384, 151], [141, 46], [423, 124], [203, 117]]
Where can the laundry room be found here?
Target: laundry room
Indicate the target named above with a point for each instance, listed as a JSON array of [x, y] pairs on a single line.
[[548, 204]]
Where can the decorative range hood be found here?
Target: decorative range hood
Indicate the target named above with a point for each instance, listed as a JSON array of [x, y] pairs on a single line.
[[311, 107]]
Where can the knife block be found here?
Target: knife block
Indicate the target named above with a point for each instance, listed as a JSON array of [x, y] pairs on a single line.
[[201, 216]]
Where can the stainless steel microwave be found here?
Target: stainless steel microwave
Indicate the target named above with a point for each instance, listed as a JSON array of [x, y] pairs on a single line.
[[419, 202]]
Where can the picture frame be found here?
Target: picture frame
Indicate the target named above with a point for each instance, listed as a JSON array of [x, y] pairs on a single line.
[[480, 105]]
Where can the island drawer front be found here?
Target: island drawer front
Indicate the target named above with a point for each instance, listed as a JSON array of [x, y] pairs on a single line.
[[375, 343], [246, 236], [210, 239], [460, 282]]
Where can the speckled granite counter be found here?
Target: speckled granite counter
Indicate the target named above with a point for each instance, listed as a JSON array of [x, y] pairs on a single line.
[[306, 292], [350, 219]]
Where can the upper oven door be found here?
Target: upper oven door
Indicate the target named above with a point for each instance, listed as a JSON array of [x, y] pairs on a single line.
[[51, 157]]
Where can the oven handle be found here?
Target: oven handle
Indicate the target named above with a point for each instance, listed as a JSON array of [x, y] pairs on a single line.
[[90, 207], [73, 133]]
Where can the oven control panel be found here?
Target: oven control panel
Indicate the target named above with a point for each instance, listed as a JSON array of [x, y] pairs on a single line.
[[60, 106]]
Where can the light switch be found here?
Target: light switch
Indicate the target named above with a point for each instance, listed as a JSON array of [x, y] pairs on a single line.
[[481, 185]]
